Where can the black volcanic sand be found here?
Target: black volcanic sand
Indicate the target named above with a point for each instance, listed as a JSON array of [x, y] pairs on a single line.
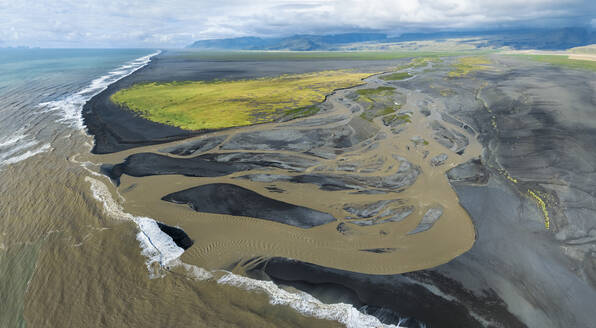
[[222, 198], [207, 165], [178, 235], [115, 128], [537, 125], [391, 297]]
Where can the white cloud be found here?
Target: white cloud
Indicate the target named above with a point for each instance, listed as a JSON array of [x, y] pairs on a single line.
[[161, 23]]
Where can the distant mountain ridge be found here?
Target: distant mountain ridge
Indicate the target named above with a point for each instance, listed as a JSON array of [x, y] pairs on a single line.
[[546, 39], [294, 42]]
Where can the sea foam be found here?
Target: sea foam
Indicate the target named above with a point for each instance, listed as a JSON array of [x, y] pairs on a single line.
[[15, 138], [157, 246], [70, 108], [306, 303], [19, 147], [27, 154], [160, 248]]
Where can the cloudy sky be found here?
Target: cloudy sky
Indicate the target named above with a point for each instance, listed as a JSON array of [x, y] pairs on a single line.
[[176, 23]]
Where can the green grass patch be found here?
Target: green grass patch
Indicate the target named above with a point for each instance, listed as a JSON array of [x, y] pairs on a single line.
[[563, 61], [386, 111], [370, 113], [465, 65], [390, 119], [375, 91], [366, 116], [301, 112], [222, 104]]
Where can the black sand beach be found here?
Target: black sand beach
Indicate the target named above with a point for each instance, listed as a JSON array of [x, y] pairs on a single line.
[[115, 129], [536, 125]]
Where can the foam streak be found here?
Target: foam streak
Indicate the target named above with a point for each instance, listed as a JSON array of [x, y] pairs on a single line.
[[70, 108]]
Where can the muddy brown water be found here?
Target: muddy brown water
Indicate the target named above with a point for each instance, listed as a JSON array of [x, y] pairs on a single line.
[[64, 260], [87, 269], [71, 263], [224, 239]]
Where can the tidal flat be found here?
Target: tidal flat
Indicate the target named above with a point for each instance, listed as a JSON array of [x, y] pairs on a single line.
[[424, 186]]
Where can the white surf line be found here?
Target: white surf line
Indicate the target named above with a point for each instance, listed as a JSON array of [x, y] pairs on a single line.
[[18, 148], [306, 304], [6, 160], [16, 137], [157, 246], [70, 108], [27, 154]]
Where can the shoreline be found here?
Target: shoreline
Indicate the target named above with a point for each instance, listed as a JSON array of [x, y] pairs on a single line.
[[511, 241]]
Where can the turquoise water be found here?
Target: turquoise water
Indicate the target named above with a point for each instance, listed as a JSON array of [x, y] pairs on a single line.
[[69, 256], [41, 93], [32, 76]]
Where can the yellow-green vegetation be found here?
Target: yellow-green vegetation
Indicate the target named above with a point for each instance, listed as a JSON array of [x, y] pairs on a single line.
[[564, 61], [301, 112], [507, 175], [423, 61], [420, 62], [493, 122], [370, 114], [542, 206], [396, 76], [446, 92], [390, 119], [366, 94], [222, 104], [380, 102], [466, 65]]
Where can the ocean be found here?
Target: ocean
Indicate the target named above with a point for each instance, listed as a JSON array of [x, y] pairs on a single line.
[[70, 256]]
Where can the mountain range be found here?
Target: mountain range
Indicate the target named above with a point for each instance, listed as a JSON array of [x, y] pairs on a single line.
[[545, 39]]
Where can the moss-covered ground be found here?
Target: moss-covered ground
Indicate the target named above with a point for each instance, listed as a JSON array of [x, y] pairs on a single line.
[[223, 104], [379, 101], [465, 65]]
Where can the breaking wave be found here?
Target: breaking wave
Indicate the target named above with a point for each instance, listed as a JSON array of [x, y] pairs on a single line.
[[160, 249], [27, 154], [157, 246], [306, 303], [9, 141], [70, 108], [19, 147]]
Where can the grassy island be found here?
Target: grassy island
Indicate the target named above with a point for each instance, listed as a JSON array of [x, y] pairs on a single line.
[[466, 65], [223, 104]]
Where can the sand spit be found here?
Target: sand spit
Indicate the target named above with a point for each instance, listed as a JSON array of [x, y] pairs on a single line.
[[229, 199]]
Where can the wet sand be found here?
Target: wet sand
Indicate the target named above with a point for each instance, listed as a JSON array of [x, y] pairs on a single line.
[[499, 144], [65, 260], [533, 124], [223, 239]]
